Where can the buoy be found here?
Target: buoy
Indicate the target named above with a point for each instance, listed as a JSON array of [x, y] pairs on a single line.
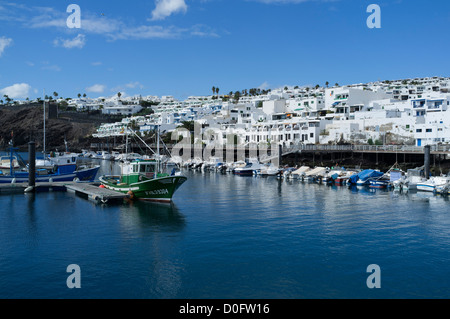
[[102, 186]]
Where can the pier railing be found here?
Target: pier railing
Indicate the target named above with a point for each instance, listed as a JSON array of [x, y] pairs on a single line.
[[437, 149]]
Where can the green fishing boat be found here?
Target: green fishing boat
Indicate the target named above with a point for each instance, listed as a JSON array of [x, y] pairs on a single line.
[[143, 180]]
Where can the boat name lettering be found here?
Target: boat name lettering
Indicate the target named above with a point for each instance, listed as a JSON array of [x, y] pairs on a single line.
[[158, 192]]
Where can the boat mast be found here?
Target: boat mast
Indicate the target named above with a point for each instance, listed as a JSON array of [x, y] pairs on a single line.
[[11, 159], [126, 142], [158, 158], [44, 126]]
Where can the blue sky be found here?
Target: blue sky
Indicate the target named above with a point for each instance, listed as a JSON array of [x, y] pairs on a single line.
[[184, 47]]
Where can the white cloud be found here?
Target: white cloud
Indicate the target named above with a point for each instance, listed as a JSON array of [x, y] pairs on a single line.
[[4, 42], [96, 88], [46, 65], [286, 1], [264, 86], [113, 28], [165, 8], [133, 85], [18, 90], [78, 42]]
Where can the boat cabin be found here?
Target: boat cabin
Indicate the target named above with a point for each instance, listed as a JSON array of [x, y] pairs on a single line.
[[139, 170], [145, 168]]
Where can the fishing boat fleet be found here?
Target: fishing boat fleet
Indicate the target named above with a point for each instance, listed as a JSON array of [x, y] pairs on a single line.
[[394, 178]]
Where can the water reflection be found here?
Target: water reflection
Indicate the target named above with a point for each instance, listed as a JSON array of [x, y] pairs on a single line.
[[31, 217], [155, 229], [152, 216]]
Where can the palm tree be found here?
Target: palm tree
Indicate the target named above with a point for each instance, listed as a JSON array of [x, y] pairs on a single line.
[[119, 95], [336, 84], [79, 95], [217, 91], [237, 96], [84, 95], [326, 83], [214, 89], [55, 94]]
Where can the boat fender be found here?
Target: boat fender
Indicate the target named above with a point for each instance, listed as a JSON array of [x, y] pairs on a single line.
[[29, 189], [130, 195], [102, 186]]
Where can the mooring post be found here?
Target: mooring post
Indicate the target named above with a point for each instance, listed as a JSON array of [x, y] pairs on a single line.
[[427, 161], [280, 154], [31, 167]]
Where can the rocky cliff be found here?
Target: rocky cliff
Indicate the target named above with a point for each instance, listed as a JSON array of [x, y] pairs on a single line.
[[25, 123]]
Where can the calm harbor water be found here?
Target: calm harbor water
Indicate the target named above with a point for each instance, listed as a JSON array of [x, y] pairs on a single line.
[[228, 237]]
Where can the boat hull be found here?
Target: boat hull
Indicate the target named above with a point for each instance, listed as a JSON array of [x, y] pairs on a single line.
[[87, 174], [243, 172], [158, 189], [378, 184]]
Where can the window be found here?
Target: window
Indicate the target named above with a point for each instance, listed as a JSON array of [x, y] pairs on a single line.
[[429, 130], [311, 135], [419, 130]]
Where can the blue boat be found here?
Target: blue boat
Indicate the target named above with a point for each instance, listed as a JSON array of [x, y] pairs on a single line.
[[379, 183], [364, 177], [48, 173]]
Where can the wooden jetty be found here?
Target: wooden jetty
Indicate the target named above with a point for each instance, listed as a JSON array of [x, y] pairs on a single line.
[[91, 191]]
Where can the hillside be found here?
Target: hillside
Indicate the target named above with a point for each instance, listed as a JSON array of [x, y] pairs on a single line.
[[25, 123]]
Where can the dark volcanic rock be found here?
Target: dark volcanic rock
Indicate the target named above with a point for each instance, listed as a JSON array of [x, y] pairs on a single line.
[[26, 123]]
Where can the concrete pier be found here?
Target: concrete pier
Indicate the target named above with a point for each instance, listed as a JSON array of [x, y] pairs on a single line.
[[91, 191]]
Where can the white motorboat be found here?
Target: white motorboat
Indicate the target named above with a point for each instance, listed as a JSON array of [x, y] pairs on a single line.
[[433, 183], [298, 173], [314, 173]]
